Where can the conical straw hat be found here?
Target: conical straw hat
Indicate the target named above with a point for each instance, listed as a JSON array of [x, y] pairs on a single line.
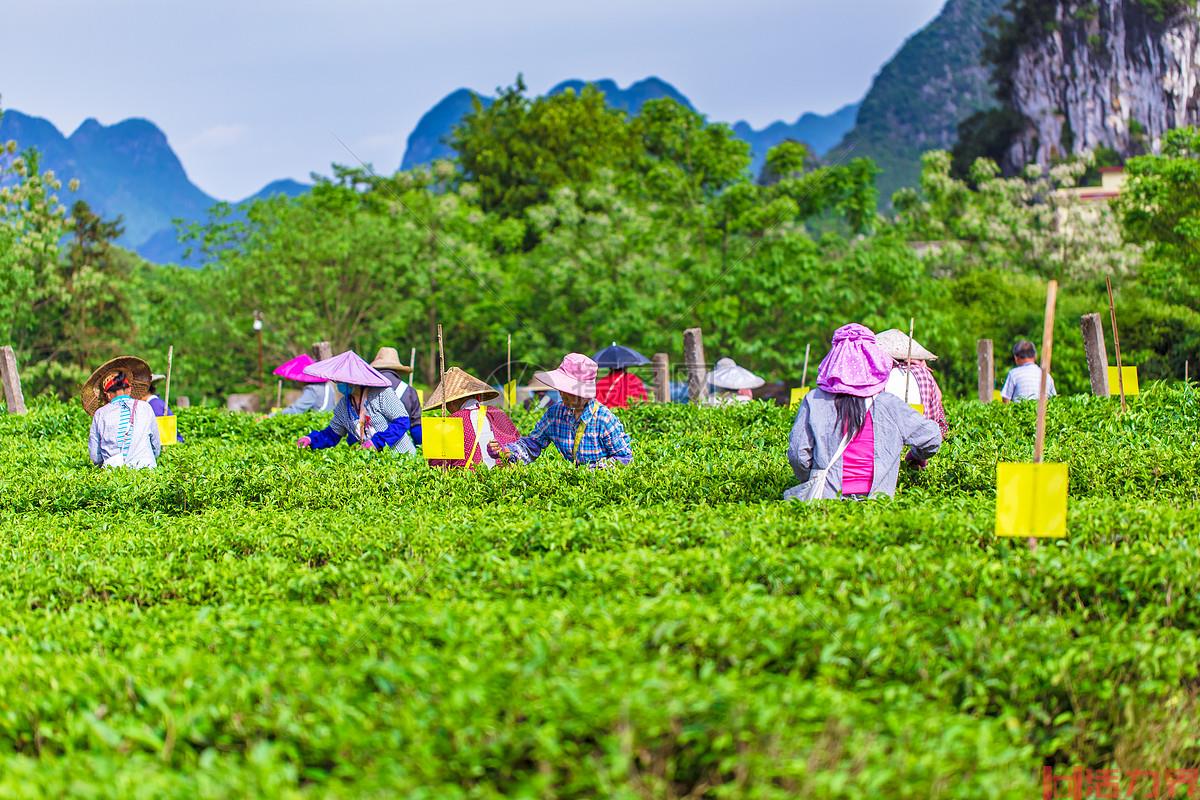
[[388, 358], [347, 367], [135, 369], [895, 343], [456, 385]]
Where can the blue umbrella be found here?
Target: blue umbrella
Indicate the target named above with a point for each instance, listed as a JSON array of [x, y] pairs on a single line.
[[619, 357]]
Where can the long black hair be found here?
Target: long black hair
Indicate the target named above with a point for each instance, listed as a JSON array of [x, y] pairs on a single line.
[[851, 413]]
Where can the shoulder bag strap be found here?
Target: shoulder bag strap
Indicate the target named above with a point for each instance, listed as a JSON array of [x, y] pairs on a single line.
[[846, 439]]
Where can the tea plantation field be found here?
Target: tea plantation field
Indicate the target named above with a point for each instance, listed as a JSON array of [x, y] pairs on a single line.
[[253, 620]]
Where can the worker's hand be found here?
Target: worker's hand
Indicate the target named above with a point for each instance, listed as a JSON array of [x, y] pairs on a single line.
[[496, 451], [303, 442], [368, 444]]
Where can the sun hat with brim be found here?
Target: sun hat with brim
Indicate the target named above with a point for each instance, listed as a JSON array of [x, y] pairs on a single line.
[[895, 343], [457, 384], [293, 370], [856, 364], [617, 356], [137, 372], [158, 376], [575, 375], [347, 367], [728, 375], [388, 358]]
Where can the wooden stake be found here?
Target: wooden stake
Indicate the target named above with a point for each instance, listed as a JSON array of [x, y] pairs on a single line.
[[508, 374], [907, 371], [987, 370], [1097, 356], [167, 388], [804, 378], [693, 357], [14, 398], [279, 393], [1112, 310], [412, 363], [662, 378], [1047, 344]]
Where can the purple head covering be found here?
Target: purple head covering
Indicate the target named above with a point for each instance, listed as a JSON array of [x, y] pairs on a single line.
[[856, 364]]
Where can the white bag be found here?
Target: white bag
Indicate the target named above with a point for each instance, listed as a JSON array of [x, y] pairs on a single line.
[[814, 487], [116, 460]]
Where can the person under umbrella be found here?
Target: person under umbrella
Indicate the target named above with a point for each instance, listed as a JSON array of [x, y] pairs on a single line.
[[318, 394], [124, 430], [583, 430], [482, 425], [619, 386], [368, 413], [911, 379], [387, 361], [849, 433], [158, 404], [733, 383]]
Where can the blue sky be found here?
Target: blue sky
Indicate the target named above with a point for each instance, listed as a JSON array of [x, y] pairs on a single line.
[[248, 91]]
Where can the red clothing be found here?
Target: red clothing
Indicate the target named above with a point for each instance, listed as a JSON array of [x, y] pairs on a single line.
[[503, 432], [858, 462], [931, 394], [618, 387]]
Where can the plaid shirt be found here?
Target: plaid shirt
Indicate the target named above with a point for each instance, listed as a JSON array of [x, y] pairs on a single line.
[[931, 395], [602, 436]]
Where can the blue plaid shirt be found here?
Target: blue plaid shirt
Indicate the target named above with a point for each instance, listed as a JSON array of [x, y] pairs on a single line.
[[601, 436]]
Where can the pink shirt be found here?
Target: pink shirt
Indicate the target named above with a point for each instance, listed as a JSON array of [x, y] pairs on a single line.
[[858, 462]]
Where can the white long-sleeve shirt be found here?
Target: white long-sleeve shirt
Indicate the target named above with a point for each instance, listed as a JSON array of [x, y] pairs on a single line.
[[136, 440]]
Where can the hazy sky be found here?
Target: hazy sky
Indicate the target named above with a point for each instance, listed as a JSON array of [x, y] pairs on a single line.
[[248, 91]]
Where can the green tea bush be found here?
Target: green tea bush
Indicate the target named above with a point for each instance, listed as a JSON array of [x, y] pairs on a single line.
[[252, 619]]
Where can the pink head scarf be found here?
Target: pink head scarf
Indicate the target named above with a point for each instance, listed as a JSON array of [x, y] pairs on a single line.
[[856, 364]]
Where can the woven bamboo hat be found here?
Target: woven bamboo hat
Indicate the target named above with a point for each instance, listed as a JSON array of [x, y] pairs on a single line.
[[388, 358], [895, 343], [456, 385], [136, 371]]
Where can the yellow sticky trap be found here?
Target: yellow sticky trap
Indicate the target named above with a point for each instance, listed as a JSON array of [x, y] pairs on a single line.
[[798, 395], [917, 407], [996, 398], [1131, 381], [442, 438], [168, 429], [420, 397], [1031, 500], [510, 394]]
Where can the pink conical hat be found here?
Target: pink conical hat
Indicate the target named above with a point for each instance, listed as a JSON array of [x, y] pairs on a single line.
[[347, 367], [294, 370]]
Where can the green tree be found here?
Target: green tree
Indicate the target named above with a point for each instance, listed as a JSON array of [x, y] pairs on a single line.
[[1160, 208], [518, 150]]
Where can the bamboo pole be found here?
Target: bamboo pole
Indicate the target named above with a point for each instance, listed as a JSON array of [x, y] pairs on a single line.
[[804, 377], [279, 393], [508, 373], [1047, 344], [442, 368], [167, 388], [912, 321], [412, 363], [1039, 444], [1112, 310]]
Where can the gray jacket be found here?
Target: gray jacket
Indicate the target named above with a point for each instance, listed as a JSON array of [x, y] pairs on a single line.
[[315, 397], [815, 438]]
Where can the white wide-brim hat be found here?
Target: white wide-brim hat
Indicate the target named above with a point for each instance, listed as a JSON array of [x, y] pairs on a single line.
[[728, 375]]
